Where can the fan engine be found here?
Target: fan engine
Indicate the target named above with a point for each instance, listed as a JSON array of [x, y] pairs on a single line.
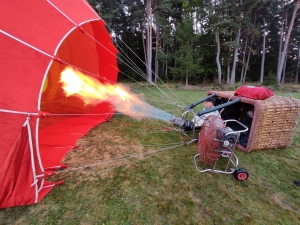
[[214, 139]]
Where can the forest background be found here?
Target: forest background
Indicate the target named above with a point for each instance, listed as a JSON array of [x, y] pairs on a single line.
[[203, 41]]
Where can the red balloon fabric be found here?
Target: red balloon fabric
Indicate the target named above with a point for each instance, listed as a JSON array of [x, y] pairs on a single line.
[[209, 144], [257, 93], [38, 123]]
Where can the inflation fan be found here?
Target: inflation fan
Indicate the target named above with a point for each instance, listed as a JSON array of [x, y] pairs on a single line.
[[217, 140]]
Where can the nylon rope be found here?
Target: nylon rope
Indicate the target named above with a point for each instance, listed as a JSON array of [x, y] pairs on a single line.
[[17, 112], [33, 168], [51, 56], [147, 67], [176, 97], [25, 43], [142, 74], [174, 103], [15, 38], [132, 63], [150, 122], [66, 62], [168, 97], [155, 122], [126, 65], [152, 97], [123, 158], [61, 12], [164, 93]]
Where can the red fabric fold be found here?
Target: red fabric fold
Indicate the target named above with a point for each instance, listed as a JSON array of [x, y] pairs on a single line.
[[34, 33], [257, 93]]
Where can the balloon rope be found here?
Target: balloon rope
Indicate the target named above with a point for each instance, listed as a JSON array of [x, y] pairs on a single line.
[[18, 112], [143, 85], [162, 125], [120, 159], [62, 12], [79, 114], [137, 71], [147, 67], [163, 92], [142, 74], [152, 96], [25, 43], [75, 66]]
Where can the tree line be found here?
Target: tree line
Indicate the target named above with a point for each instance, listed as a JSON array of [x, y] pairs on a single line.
[[204, 41]]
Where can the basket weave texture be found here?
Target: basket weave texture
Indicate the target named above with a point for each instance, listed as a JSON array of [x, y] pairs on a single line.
[[278, 118], [274, 122]]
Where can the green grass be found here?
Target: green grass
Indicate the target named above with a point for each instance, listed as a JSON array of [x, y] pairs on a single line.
[[164, 187]]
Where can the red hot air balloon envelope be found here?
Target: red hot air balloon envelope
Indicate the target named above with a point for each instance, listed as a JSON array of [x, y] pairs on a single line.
[[38, 123]]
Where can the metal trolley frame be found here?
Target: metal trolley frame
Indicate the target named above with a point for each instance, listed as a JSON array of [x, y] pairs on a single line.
[[227, 151]]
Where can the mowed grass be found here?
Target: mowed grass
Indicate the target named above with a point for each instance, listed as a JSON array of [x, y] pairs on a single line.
[[125, 173]]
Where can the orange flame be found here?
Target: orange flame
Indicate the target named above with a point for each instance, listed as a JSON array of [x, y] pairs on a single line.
[[92, 91], [89, 89]]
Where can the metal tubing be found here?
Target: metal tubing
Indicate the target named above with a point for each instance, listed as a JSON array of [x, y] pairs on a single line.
[[199, 102], [219, 107]]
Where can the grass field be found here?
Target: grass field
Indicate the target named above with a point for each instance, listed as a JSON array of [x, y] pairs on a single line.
[[127, 171]]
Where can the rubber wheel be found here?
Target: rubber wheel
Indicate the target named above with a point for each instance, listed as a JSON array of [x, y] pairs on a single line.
[[241, 174]]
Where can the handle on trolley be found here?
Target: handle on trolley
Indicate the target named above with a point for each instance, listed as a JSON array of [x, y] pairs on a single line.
[[240, 131]]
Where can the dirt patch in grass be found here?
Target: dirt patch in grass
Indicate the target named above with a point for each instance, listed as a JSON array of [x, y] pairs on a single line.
[[111, 180], [280, 200], [103, 149]]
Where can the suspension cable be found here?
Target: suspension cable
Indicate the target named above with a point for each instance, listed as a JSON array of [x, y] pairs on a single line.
[[147, 67], [121, 159]]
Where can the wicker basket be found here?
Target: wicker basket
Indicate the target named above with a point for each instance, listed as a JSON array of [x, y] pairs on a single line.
[[273, 123]]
